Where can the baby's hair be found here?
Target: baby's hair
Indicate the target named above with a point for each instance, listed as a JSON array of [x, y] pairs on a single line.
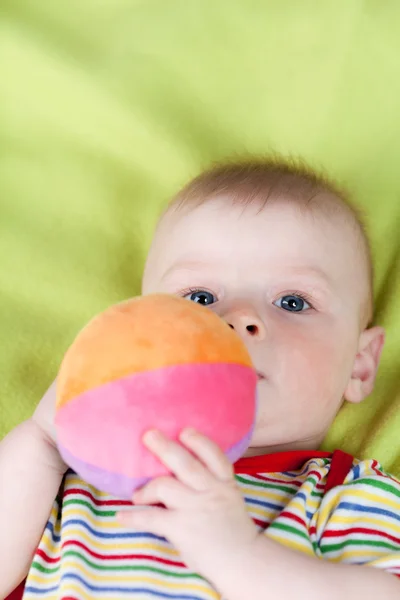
[[259, 181], [256, 180]]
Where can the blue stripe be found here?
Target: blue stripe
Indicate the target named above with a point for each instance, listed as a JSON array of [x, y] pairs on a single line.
[[34, 590], [131, 535], [309, 466], [356, 472], [123, 535], [54, 536], [266, 504], [300, 495], [110, 590], [368, 509], [279, 508]]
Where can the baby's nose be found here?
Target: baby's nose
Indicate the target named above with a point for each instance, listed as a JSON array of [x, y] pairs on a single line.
[[247, 325]]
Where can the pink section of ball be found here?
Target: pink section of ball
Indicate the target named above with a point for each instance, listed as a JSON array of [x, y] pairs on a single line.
[[104, 426], [123, 486]]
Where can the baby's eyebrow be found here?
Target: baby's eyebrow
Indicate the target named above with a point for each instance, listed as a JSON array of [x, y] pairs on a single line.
[[188, 265], [311, 277], [314, 272]]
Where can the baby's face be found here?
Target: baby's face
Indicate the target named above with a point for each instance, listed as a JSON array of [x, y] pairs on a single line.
[[289, 284]]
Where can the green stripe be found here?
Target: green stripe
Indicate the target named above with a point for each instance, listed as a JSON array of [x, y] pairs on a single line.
[[95, 511], [349, 542], [289, 529], [263, 484], [314, 545], [282, 488], [317, 494], [386, 487], [100, 567]]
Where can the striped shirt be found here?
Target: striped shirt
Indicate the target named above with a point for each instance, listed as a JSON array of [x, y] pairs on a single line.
[[324, 505]]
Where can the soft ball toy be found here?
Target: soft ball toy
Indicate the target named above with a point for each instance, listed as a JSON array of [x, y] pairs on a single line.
[[155, 361]]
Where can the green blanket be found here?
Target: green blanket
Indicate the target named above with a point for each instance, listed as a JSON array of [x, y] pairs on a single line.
[[106, 108]]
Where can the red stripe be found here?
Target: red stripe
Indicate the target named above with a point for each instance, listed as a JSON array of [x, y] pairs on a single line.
[[381, 474], [318, 486], [274, 480], [164, 561], [293, 517], [318, 475], [260, 523], [46, 557], [77, 491], [351, 530], [374, 466]]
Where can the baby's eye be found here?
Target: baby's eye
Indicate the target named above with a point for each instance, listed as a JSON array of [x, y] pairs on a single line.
[[292, 303], [201, 296]]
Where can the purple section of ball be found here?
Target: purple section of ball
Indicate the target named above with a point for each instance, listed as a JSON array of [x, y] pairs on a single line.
[[116, 484], [122, 486], [237, 451]]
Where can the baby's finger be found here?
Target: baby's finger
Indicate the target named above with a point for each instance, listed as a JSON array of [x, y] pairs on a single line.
[[186, 467], [152, 520], [209, 453], [165, 490]]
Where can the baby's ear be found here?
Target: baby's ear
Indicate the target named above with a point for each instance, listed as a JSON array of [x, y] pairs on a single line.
[[366, 365]]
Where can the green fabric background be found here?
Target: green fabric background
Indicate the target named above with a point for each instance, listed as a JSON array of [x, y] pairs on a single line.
[[108, 106]]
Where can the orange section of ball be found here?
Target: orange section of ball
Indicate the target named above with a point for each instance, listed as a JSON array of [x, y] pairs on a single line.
[[119, 342]]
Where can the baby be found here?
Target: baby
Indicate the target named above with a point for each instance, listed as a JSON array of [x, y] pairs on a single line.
[[279, 254]]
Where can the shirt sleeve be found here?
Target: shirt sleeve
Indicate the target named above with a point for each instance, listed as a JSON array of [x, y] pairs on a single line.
[[358, 522]]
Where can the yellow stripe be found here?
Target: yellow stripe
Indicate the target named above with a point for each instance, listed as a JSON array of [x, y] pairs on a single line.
[[356, 520], [261, 493], [79, 591], [247, 489], [374, 497], [309, 502], [109, 579], [262, 512], [301, 506], [277, 496], [327, 507], [81, 536], [285, 479], [102, 522], [352, 493], [279, 477], [269, 514], [112, 524], [347, 553], [290, 543], [390, 560], [74, 481]]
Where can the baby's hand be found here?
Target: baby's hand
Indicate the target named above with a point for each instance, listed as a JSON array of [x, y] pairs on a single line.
[[205, 516]]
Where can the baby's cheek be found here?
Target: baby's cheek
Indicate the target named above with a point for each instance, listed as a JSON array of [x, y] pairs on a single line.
[[316, 367]]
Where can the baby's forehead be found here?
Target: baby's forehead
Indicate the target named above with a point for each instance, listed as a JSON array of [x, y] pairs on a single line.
[[323, 212], [322, 207]]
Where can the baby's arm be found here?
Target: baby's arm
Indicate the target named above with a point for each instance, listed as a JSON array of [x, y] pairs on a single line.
[[31, 472]]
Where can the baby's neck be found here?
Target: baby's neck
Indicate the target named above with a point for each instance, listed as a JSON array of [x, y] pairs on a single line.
[[309, 444]]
